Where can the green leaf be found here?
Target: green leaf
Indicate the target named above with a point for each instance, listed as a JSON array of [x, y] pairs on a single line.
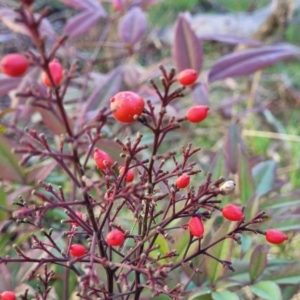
[[3, 204], [246, 184], [231, 147], [221, 250], [289, 291], [163, 249], [217, 168], [9, 165], [289, 274], [281, 201], [224, 295], [202, 294], [258, 261], [246, 242], [266, 290], [264, 176], [285, 222]]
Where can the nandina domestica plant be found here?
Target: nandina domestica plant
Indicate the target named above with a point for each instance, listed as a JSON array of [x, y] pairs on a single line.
[[99, 231]]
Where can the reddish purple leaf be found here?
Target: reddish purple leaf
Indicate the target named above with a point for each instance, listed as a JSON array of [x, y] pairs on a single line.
[[40, 171], [132, 26], [187, 48], [90, 5], [7, 84], [81, 23], [200, 93], [248, 61], [230, 39], [103, 92]]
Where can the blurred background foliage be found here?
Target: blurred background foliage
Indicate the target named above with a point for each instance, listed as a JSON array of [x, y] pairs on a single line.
[[272, 134]]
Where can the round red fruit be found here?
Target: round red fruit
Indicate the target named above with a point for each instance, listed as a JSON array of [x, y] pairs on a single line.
[[125, 105], [57, 73], [79, 215], [187, 77], [129, 175], [232, 213], [196, 114], [196, 227], [115, 238], [275, 236], [77, 250], [183, 181], [101, 156], [14, 64], [8, 295]]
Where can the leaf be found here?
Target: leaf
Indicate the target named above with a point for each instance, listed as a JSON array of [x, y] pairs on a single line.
[[289, 291], [3, 203], [7, 84], [224, 295], [246, 184], [280, 201], [132, 26], [229, 39], [217, 167], [264, 177], [187, 50], [103, 92], [285, 222], [258, 261], [246, 243], [86, 20], [231, 148], [248, 61], [40, 171], [51, 121], [82, 5], [162, 250], [201, 294], [200, 93], [10, 17], [289, 274], [221, 250], [266, 290], [9, 166]]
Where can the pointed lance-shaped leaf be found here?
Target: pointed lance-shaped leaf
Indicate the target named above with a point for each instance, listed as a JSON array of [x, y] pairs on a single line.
[[200, 93], [258, 261], [247, 62], [86, 19], [132, 26], [187, 50]]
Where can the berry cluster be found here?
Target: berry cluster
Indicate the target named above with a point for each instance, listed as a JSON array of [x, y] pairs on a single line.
[[133, 188]]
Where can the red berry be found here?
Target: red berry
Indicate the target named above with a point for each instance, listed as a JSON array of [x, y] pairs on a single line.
[[8, 295], [196, 227], [100, 157], [275, 236], [196, 114], [125, 105], [79, 215], [77, 250], [115, 238], [56, 71], [129, 176], [183, 181], [187, 77], [14, 64], [232, 213]]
